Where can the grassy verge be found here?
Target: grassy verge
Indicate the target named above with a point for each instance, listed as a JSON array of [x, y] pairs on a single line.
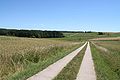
[[103, 66], [72, 68]]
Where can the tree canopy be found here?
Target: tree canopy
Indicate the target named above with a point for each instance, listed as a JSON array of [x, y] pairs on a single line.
[[31, 33]]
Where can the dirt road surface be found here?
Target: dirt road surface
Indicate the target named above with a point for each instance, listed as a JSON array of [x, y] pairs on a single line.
[[87, 71]]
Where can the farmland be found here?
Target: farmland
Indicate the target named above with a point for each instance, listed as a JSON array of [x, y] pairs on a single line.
[[86, 36], [60, 40], [23, 57]]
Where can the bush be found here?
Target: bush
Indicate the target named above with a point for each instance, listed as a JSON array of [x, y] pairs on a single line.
[[100, 33]]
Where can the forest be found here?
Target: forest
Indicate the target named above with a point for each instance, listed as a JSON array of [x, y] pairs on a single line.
[[31, 33]]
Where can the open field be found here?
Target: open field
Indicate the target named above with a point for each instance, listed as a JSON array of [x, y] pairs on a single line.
[[23, 57], [59, 39], [107, 63], [86, 36]]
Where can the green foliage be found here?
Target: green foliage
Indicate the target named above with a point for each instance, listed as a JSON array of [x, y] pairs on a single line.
[[100, 33], [31, 33]]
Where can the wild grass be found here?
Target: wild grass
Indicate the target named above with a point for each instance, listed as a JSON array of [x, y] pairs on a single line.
[[22, 57], [71, 70], [112, 45], [107, 64]]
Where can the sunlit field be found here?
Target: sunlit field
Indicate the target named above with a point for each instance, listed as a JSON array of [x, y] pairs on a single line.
[[107, 62], [86, 36], [22, 57]]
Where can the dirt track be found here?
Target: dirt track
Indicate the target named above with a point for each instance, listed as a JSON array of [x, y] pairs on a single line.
[[87, 71]]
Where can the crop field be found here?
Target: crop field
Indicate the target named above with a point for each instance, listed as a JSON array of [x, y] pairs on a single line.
[[23, 57], [107, 62]]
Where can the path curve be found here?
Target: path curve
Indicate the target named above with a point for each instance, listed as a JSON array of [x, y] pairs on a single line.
[[87, 71], [53, 70]]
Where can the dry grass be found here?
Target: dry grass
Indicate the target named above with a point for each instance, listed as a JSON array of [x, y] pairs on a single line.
[[17, 53], [108, 38], [107, 63]]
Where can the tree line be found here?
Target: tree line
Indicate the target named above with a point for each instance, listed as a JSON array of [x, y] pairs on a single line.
[[31, 33]]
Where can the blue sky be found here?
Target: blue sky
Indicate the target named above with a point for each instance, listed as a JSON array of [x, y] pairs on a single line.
[[83, 15]]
